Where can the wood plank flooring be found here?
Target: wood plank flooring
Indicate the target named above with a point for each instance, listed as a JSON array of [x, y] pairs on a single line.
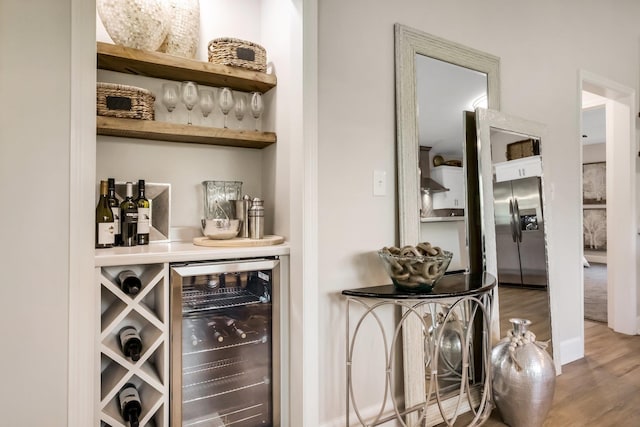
[[602, 389]]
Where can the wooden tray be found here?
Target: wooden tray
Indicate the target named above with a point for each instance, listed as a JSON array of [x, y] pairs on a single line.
[[238, 242]]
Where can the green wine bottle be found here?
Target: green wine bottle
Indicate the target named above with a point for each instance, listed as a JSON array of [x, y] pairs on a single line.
[[144, 215], [105, 228], [114, 203], [129, 218]]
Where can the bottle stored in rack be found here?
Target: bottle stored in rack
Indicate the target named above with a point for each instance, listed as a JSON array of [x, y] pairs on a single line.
[[130, 342], [130, 404], [129, 282]]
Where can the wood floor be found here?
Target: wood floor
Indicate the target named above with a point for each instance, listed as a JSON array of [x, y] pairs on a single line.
[[600, 390]]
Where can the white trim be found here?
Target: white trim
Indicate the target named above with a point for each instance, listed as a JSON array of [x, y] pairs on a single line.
[[571, 349], [311, 327], [82, 385]]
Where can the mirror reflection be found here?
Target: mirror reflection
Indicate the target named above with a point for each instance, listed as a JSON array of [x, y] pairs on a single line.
[[443, 92], [520, 231]]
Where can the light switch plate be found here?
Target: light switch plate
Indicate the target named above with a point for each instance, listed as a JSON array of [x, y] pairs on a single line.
[[379, 183]]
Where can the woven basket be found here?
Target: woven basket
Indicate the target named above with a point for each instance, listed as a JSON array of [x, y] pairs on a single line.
[[184, 29], [238, 53], [124, 101]]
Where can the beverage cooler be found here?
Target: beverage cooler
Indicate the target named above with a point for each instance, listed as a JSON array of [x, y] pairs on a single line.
[[225, 343]]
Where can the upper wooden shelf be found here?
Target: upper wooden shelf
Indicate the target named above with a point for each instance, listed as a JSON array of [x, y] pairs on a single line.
[[160, 65], [163, 131]]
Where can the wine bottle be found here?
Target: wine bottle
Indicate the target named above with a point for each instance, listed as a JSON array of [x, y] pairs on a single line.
[[217, 335], [231, 324], [130, 342], [130, 404], [129, 218], [129, 282], [105, 227], [114, 203], [144, 219]]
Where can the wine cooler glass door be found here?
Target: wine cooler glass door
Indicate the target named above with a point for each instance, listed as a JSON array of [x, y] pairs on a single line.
[[223, 343]]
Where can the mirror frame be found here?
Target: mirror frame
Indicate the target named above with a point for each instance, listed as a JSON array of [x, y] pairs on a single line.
[[410, 42], [485, 120]]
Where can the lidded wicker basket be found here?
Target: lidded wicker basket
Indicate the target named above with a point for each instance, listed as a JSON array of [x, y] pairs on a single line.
[[130, 102], [238, 53]]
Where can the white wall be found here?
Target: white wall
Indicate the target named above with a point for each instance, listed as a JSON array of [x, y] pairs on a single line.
[[35, 60], [541, 45]]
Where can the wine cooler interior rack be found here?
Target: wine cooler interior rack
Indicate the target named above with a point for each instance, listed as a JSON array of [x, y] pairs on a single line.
[[148, 312]]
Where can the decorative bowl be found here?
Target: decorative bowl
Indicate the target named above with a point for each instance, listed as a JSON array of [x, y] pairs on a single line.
[[413, 271], [220, 229]]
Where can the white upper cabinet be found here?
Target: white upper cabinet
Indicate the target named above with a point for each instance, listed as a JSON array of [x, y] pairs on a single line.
[[520, 168], [451, 177]]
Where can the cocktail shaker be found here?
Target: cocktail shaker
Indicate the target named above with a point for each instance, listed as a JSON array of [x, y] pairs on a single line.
[[256, 219], [242, 212]]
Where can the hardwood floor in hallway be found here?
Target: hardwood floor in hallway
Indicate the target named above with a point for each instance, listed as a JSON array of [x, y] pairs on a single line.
[[600, 390]]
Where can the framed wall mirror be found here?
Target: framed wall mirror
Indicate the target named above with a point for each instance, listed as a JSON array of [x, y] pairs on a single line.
[[437, 83], [515, 219]]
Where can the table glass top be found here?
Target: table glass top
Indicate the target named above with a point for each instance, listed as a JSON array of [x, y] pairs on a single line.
[[451, 285]]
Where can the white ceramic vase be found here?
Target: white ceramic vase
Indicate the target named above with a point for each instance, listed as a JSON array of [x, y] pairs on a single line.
[[184, 29], [139, 24]]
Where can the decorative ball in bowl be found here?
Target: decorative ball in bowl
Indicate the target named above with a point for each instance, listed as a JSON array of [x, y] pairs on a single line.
[[220, 229], [415, 268]]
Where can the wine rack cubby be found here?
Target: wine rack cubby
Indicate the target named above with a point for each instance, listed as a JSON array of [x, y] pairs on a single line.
[[148, 312]]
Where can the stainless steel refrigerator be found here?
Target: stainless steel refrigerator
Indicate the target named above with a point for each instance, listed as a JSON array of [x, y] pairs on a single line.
[[520, 232]]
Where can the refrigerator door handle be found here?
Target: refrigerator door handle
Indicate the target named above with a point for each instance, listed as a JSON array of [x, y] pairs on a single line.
[[511, 221], [517, 220]]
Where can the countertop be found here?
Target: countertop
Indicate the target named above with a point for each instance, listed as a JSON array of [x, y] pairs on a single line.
[[180, 252]]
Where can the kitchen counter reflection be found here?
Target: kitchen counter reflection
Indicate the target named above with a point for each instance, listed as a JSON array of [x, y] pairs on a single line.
[[442, 218]]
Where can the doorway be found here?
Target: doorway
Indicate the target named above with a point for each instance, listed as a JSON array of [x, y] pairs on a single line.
[[620, 205], [594, 206]]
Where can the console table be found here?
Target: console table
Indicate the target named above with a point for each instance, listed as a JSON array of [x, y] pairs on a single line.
[[446, 334]]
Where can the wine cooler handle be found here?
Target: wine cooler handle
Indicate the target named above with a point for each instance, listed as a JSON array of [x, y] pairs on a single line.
[[225, 267]]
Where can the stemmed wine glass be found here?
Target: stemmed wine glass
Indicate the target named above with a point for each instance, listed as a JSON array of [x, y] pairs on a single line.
[[189, 97], [206, 102], [226, 102], [170, 96], [241, 107], [257, 107]]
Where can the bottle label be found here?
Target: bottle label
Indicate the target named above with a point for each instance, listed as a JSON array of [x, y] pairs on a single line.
[[106, 233], [144, 220], [127, 395], [116, 218], [130, 216], [127, 334]]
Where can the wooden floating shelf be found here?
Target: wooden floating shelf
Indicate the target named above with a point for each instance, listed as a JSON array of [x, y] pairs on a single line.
[[160, 65], [174, 132]]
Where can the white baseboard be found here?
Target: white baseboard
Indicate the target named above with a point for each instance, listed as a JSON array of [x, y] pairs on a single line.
[[571, 349], [638, 325], [367, 413]]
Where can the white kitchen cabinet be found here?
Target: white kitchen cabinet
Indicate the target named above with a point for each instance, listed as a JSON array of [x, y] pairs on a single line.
[[520, 168], [452, 177]]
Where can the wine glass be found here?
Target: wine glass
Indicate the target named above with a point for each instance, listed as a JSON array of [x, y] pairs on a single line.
[[189, 97], [257, 107], [241, 107], [226, 102], [206, 102], [170, 95]]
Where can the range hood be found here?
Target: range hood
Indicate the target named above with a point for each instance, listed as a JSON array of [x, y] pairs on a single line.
[[432, 185]]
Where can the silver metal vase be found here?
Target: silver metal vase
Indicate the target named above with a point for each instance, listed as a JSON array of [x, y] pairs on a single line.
[[524, 377]]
